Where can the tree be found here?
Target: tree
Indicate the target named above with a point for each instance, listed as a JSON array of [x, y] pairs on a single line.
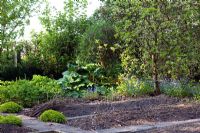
[[96, 44], [57, 45], [153, 34], [14, 15]]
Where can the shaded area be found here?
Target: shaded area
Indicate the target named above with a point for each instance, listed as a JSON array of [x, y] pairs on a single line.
[[6, 128]]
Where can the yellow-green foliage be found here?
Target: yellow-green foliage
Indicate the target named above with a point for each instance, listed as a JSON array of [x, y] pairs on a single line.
[[91, 95], [10, 107], [52, 116], [10, 119], [30, 92], [134, 87]]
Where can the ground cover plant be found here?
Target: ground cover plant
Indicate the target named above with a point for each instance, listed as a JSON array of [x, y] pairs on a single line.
[[10, 119], [10, 107], [30, 92], [52, 116]]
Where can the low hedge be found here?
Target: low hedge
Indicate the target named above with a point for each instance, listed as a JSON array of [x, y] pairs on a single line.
[[10, 107], [52, 116], [10, 119]]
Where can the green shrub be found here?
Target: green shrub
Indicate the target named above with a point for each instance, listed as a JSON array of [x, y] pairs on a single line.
[[112, 95], [134, 87], [178, 90], [10, 107], [103, 90], [196, 92], [75, 81], [28, 93], [10, 119], [52, 116], [90, 95]]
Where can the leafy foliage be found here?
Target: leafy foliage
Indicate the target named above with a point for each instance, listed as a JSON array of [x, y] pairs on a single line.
[[181, 89], [153, 40], [29, 93], [14, 15], [10, 107], [74, 82], [10, 119], [52, 116], [135, 87], [58, 45], [88, 95], [154, 35]]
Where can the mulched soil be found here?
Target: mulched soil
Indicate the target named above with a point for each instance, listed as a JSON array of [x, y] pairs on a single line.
[[123, 113], [5, 128]]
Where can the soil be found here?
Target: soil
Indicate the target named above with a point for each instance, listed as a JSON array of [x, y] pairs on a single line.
[[103, 115], [53, 104], [5, 128]]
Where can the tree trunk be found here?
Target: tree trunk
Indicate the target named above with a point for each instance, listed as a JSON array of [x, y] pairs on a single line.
[[15, 55], [155, 74]]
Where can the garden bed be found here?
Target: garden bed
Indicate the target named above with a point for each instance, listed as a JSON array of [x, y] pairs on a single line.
[[102, 115]]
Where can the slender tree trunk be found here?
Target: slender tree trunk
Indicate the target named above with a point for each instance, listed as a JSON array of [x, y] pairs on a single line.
[[15, 55], [1, 50], [155, 74]]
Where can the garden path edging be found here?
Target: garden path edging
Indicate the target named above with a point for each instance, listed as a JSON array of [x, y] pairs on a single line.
[[40, 126], [147, 127], [33, 123]]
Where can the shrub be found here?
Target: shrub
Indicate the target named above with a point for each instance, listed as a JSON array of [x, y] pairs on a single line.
[[10, 119], [103, 90], [75, 81], [52, 116], [28, 93], [178, 89], [176, 92], [90, 95], [10, 107], [134, 87], [196, 92], [112, 95]]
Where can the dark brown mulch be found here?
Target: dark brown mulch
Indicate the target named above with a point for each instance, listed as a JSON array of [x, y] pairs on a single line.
[[5, 128], [56, 104], [124, 113], [78, 107], [136, 117], [144, 111]]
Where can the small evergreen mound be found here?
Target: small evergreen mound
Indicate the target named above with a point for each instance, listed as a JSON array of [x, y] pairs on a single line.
[[52, 116], [10, 119], [10, 107]]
